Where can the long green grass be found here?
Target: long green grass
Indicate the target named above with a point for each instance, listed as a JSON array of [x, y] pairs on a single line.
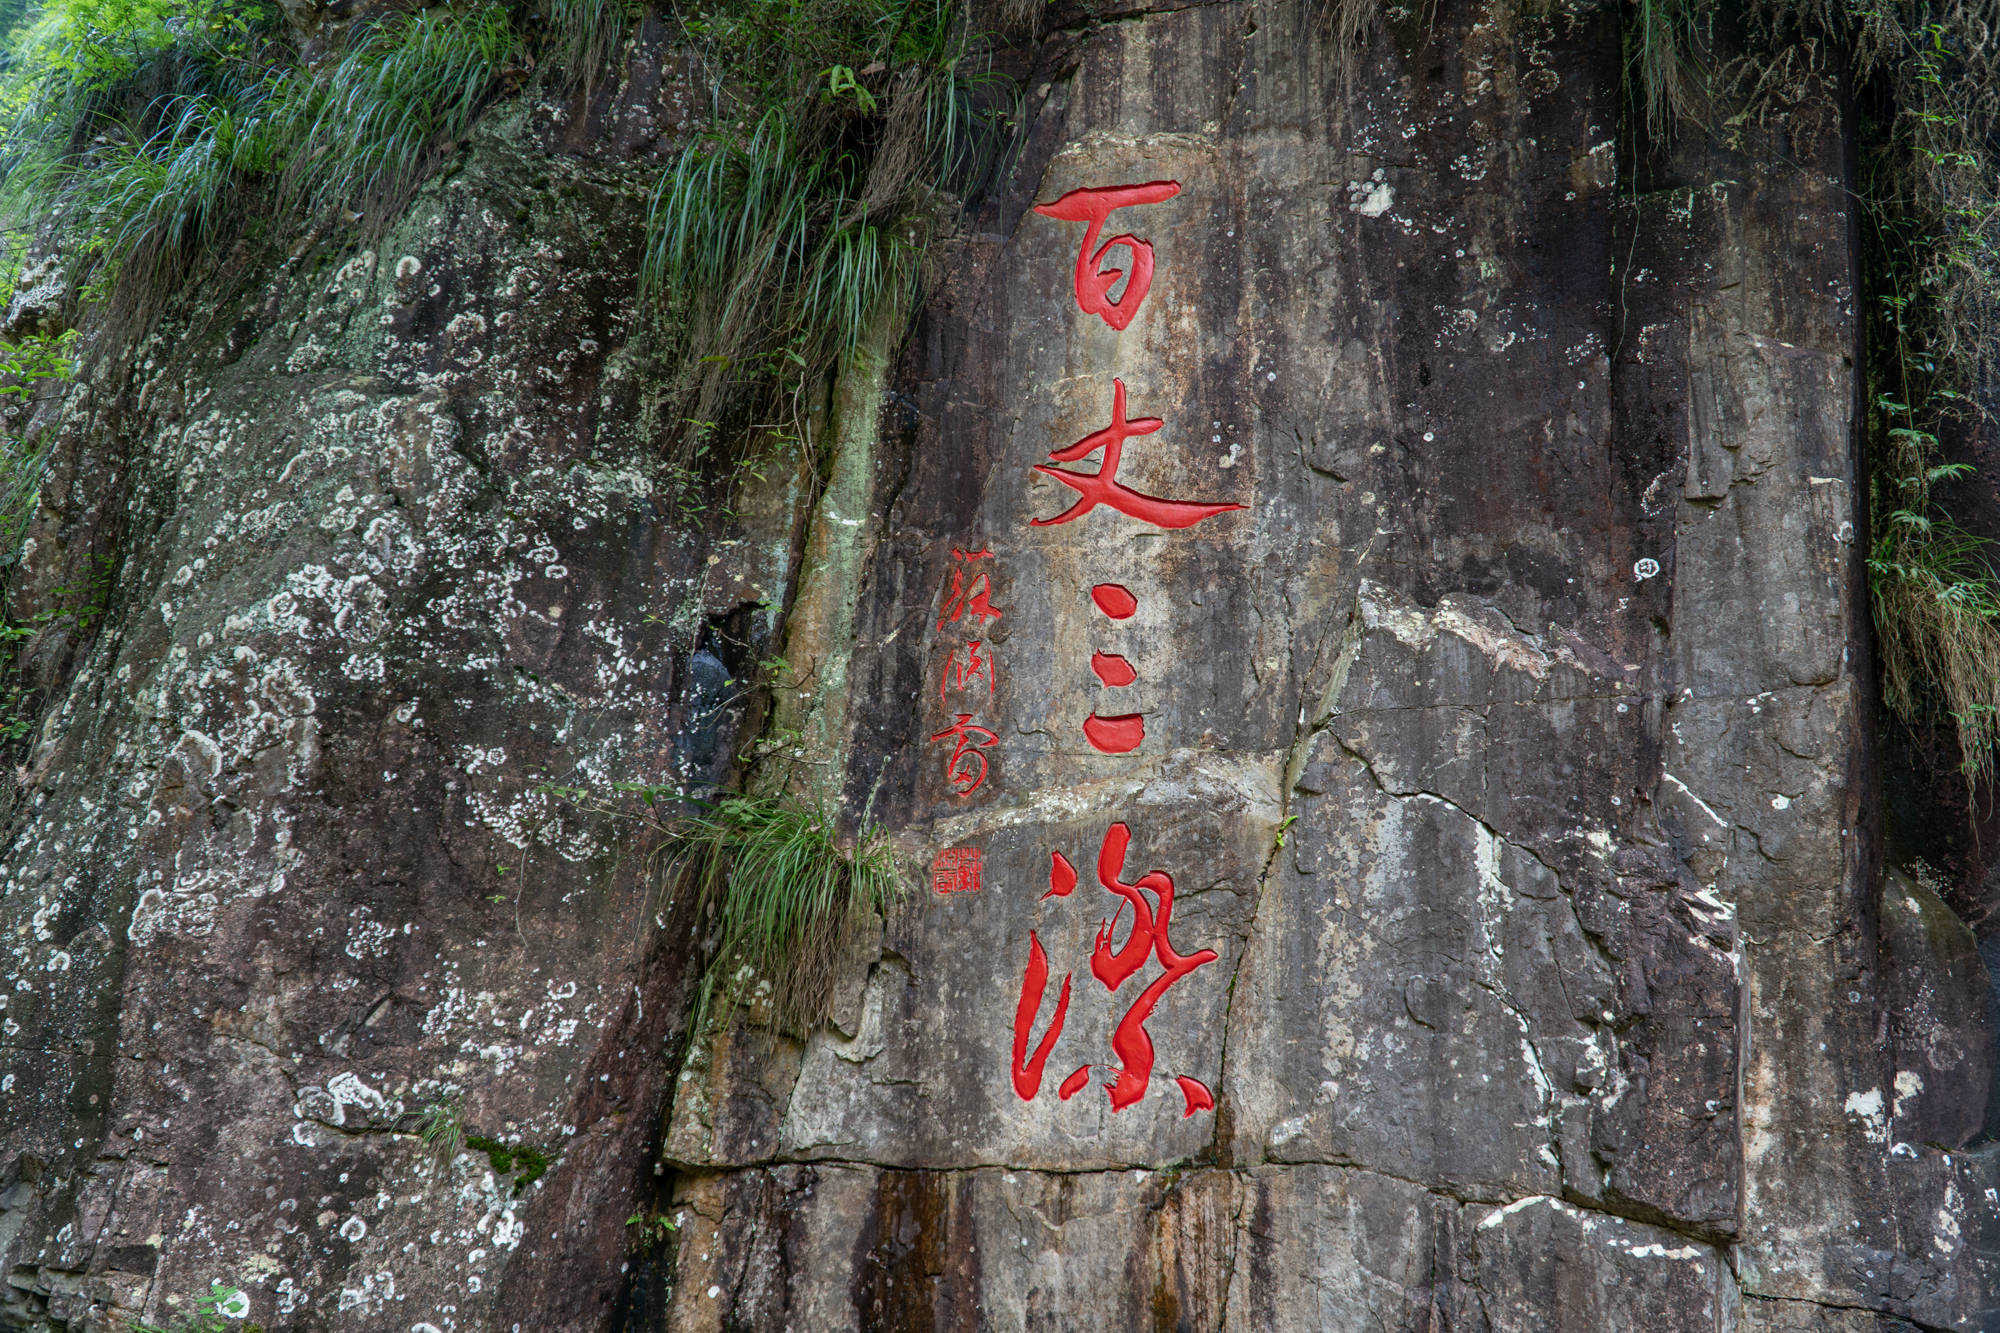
[[583, 35], [777, 895], [361, 134], [151, 131], [842, 135], [442, 1132]]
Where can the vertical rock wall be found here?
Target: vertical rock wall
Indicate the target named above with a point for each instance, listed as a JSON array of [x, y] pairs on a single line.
[[1433, 885], [1508, 749], [394, 550]]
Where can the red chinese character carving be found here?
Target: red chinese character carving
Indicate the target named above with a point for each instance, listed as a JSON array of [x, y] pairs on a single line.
[[1113, 669], [1115, 735], [1199, 1098], [1062, 876], [1102, 487], [1093, 281], [1028, 1069], [956, 870], [968, 597], [966, 768], [957, 675], [1130, 1041], [1114, 600]]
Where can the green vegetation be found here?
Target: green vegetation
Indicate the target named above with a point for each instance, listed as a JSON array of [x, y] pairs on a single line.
[[1666, 54], [583, 35], [777, 895], [363, 132], [74, 606], [843, 132], [1932, 281], [653, 1230], [443, 1132], [154, 133], [527, 1162], [31, 370], [220, 1311], [148, 153]]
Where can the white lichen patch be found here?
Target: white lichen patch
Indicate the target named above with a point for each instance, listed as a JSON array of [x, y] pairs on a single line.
[[1868, 1108]]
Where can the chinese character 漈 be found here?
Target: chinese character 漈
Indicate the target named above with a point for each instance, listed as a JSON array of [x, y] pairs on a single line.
[[1102, 487], [1147, 940]]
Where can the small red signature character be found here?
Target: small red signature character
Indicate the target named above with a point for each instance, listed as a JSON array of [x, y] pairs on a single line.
[[955, 870], [961, 674], [1102, 487], [966, 769], [1093, 281], [968, 596]]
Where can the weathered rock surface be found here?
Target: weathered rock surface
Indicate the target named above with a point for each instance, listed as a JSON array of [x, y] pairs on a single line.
[[1532, 959]]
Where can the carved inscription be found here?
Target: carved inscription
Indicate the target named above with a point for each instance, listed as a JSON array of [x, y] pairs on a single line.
[[1133, 955]]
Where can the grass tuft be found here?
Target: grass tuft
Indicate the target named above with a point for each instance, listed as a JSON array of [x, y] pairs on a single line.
[[583, 35], [778, 895], [149, 145], [362, 134], [443, 1132], [1667, 63], [842, 135]]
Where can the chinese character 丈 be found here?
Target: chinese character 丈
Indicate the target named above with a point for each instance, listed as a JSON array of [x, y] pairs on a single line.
[[1102, 487]]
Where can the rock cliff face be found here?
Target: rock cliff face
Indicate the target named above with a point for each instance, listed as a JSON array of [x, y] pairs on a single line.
[[1397, 850]]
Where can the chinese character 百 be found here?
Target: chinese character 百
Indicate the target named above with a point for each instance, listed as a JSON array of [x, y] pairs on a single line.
[[1093, 281]]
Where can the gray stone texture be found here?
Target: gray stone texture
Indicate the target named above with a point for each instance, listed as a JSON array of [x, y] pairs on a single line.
[[1511, 748]]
